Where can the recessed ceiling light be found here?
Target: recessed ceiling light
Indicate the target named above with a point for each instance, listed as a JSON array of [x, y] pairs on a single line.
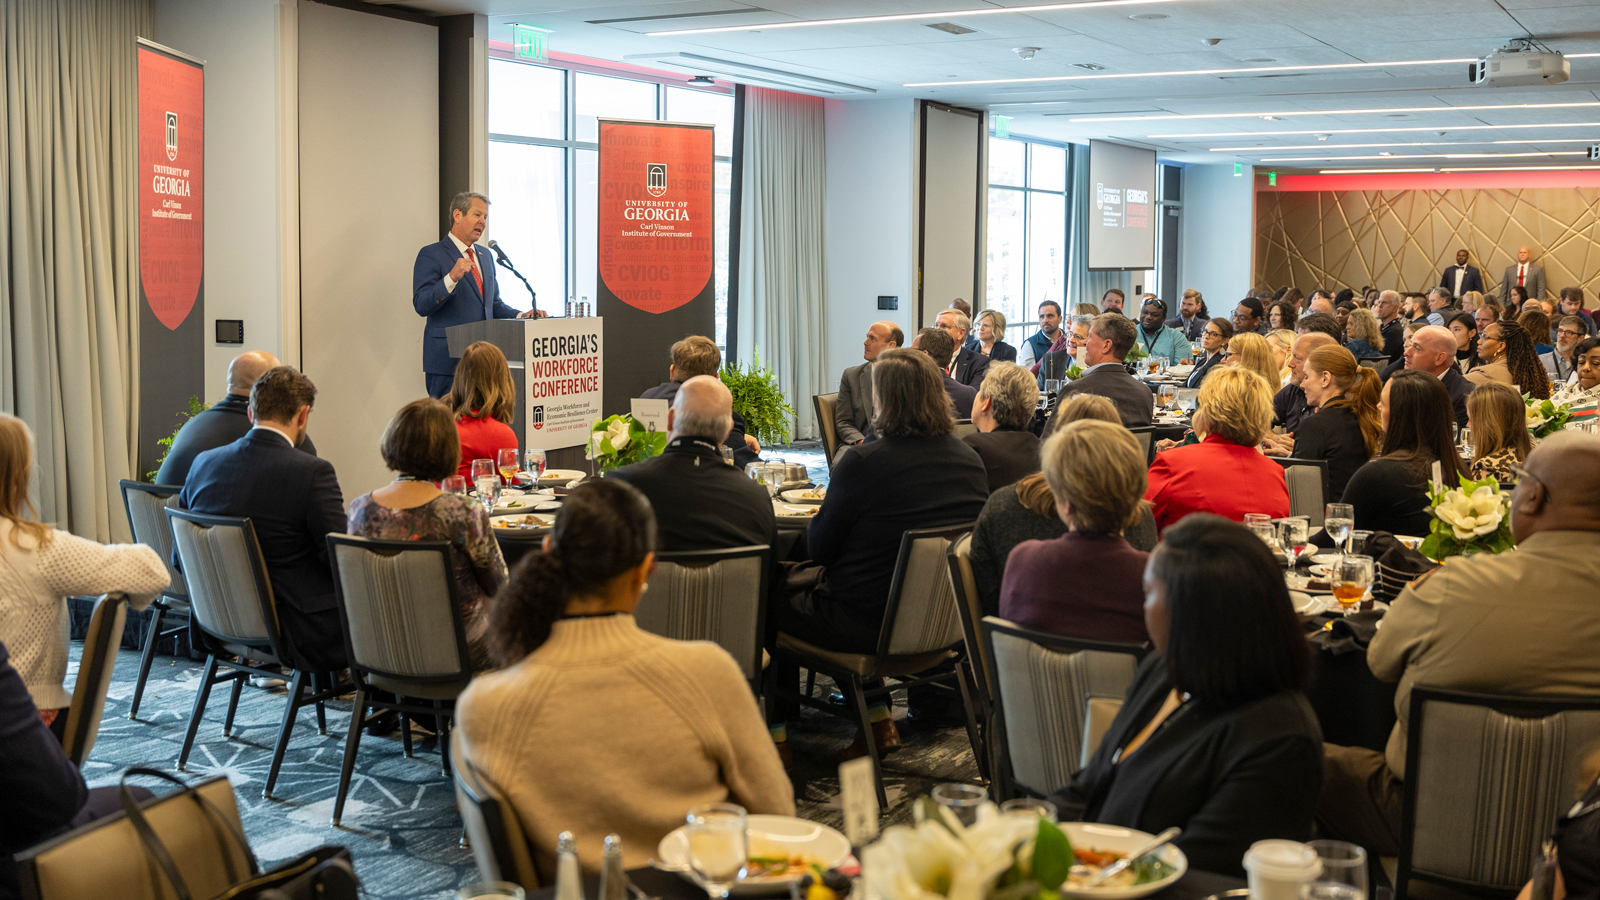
[[1397, 116], [951, 28], [1093, 67], [1426, 156], [1259, 59], [1253, 70], [1148, 17], [1412, 144], [1271, 118], [911, 17], [1384, 130], [1025, 52], [1464, 169], [1347, 112], [1384, 153]]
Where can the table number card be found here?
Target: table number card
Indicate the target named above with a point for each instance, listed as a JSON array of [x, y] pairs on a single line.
[[858, 794], [652, 414]]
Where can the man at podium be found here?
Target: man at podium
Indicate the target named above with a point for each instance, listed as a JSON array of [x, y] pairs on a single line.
[[453, 283]]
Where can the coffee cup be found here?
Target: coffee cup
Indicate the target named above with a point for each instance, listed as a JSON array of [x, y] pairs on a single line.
[[1277, 869]]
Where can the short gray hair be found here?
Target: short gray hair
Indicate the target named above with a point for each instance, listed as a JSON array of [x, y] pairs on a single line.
[[957, 317], [1014, 391], [462, 203]]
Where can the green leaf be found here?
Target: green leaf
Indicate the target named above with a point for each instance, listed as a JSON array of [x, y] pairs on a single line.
[[1052, 855], [758, 398]]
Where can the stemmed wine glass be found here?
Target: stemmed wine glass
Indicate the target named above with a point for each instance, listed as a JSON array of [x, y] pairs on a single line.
[[1351, 577], [506, 463], [1338, 520], [482, 467], [454, 484], [718, 846], [536, 463], [489, 491]]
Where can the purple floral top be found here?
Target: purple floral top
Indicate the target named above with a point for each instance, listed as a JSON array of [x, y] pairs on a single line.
[[480, 569]]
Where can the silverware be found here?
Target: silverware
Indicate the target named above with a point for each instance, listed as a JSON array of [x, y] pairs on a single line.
[[1155, 843]]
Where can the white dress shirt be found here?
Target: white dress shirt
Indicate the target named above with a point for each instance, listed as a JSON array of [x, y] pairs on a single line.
[[262, 426], [461, 250]]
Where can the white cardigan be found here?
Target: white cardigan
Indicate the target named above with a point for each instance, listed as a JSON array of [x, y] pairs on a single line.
[[34, 585]]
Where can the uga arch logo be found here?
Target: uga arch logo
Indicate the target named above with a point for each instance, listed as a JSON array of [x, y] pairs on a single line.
[[172, 137], [655, 178]]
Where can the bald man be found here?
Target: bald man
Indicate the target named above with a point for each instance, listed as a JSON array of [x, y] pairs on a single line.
[[1289, 405], [1509, 623], [222, 424], [852, 411], [1525, 273], [701, 502], [1433, 350]]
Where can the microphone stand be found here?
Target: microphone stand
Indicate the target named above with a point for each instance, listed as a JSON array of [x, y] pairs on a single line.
[[501, 259]]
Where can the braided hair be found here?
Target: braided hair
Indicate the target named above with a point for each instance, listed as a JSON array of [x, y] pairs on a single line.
[[1527, 373]]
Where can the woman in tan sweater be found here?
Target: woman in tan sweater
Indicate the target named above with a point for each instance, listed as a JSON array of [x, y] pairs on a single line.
[[595, 726]]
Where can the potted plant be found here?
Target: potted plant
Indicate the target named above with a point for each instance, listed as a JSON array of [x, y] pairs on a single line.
[[195, 409], [757, 397]]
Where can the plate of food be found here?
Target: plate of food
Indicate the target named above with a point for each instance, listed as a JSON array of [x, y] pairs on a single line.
[[794, 510], [805, 495], [1098, 846], [1184, 369], [560, 476], [783, 849], [527, 520]]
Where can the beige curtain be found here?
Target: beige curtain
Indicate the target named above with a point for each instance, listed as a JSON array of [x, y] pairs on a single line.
[[68, 249], [782, 271]]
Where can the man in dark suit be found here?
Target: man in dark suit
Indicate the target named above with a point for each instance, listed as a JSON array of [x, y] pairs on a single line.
[[1433, 350], [1524, 273], [1111, 336], [939, 346], [852, 412], [453, 283], [1387, 309], [967, 365], [1460, 278], [294, 503], [701, 503], [698, 355], [223, 423]]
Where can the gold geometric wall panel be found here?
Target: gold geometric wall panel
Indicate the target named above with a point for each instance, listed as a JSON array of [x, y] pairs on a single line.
[[1402, 240]]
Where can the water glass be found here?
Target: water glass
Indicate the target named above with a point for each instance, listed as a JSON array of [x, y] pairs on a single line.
[[1029, 807], [1293, 533], [1339, 520], [727, 455], [773, 475], [1052, 385], [1351, 577], [536, 462], [491, 890], [454, 484], [718, 846], [488, 491], [482, 467], [961, 799], [1344, 871]]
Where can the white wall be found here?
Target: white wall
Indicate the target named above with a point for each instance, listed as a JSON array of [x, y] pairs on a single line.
[[870, 148], [1217, 235], [238, 41]]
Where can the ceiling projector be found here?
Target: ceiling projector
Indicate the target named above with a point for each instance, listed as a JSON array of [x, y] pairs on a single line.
[[1519, 64]]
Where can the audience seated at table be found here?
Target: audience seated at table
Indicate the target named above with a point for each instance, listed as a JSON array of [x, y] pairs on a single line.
[[293, 501], [1251, 351], [965, 364], [1465, 327], [1281, 315], [1026, 511], [1289, 403], [1363, 334], [1225, 473], [990, 339], [41, 566], [594, 726], [1096, 474], [1281, 342], [483, 399], [1541, 330], [420, 446], [1067, 350], [699, 355], [223, 422], [1582, 393], [1523, 622], [1346, 429], [45, 793], [1157, 339], [1432, 349], [1213, 350], [1389, 493], [1500, 440], [701, 502], [917, 474], [852, 412], [1570, 331], [937, 346], [1511, 358], [1111, 338], [1215, 735], [1002, 411]]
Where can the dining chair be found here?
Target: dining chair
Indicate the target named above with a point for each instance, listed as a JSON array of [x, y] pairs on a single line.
[[1045, 687], [403, 635], [974, 666], [145, 503], [499, 843], [712, 595], [1375, 363], [1486, 777], [824, 405], [95, 665], [230, 599], [921, 629], [1307, 480], [1147, 442], [107, 858]]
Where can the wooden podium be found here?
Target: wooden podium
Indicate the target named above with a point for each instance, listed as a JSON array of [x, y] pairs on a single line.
[[562, 359]]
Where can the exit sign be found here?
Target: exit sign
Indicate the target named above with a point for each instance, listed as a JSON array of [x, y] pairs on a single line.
[[1002, 126], [528, 42]]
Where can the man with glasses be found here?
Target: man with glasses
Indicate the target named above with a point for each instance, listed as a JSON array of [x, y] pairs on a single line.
[[1068, 349], [1110, 339], [1250, 316], [1558, 362], [1156, 338]]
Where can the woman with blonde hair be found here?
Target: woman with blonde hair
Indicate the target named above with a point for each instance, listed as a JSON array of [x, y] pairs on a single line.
[[1471, 300], [1097, 477], [1282, 344], [1027, 511], [989, 329], [41, 566], [483, 399], [1225, 473], [1251, 351], [1346, 428], [1500, 441], [1363, 335]]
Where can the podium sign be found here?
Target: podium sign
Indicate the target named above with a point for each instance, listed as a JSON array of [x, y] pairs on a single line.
[[563, 382]]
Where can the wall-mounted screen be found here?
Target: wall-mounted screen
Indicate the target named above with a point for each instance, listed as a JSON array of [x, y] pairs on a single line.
[[1122, 207]]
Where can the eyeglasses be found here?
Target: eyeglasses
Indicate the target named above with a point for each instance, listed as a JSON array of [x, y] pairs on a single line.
[[1522, 473], [1572, 334]]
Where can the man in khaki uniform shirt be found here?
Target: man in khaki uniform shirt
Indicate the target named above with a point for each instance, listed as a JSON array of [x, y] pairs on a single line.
[[1522, 622]]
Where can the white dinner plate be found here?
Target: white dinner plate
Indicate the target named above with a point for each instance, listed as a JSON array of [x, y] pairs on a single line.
[[521, 521], [561, 476], [795, 510], [799, 495], [1123, 840], [1307, 604], [1180, 370], [1326, 557], [769, 836]]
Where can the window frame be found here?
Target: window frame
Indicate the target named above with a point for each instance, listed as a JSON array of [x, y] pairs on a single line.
[[1027, 190]]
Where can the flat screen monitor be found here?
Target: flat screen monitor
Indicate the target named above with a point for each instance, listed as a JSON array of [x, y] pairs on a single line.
[[1122, 207]]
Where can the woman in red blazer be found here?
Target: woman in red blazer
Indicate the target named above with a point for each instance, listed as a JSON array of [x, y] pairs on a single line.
[[1225, 473], [482, 399]]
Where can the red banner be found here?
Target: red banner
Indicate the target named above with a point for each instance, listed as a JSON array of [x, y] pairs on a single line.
[[657, 243], [171, 184]]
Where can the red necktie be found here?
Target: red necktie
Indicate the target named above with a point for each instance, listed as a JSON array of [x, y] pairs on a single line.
[[472, 256], [1521, 272]]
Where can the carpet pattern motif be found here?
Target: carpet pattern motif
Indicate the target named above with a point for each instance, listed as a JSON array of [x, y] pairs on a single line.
[[400, 821]]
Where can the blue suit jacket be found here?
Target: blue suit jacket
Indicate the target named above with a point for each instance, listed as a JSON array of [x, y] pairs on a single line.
[[457, 307]]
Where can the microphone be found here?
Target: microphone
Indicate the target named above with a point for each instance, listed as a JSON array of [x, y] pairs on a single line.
[[500, 254]]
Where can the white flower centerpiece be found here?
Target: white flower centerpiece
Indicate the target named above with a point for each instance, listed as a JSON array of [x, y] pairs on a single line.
[[1474, 518], [619, 440], [1545, 417]]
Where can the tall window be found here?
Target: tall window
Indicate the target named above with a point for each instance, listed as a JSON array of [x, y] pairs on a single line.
[[543, 171], [1027, 232]]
